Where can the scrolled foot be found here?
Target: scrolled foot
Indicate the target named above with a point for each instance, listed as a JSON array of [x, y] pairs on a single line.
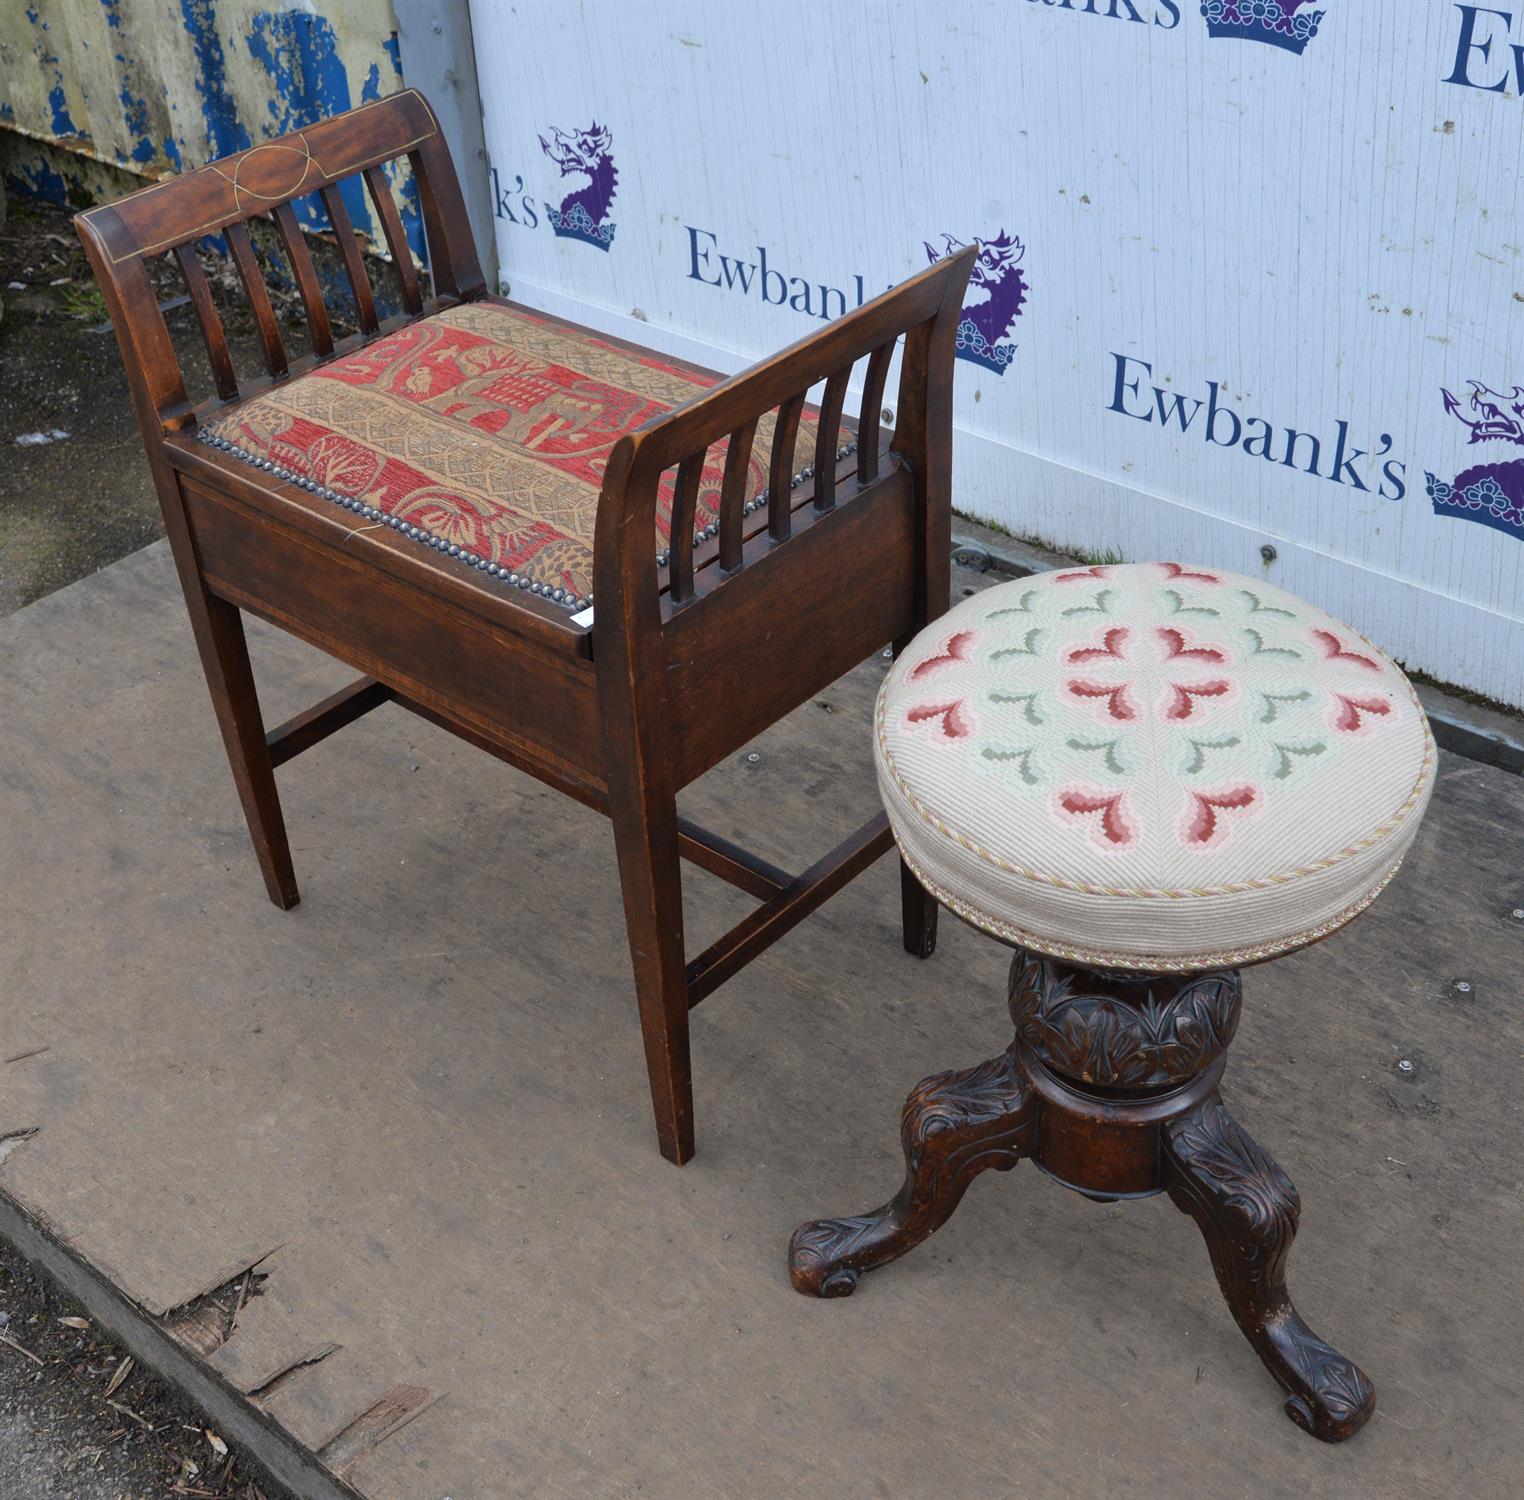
[[1248, 1210], [955, 1126], [1343, 1399], [820, 1252]]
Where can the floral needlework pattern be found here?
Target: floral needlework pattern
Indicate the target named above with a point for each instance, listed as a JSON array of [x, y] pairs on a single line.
[[1149, 700]]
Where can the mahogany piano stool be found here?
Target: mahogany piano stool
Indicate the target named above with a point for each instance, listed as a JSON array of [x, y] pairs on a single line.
[[1141, 777]]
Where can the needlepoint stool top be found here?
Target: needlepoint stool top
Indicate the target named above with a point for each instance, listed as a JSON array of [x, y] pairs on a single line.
[[482, 431], [1151, 766]]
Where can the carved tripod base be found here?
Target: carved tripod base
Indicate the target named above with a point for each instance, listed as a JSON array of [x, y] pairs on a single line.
[[1111, 1088]]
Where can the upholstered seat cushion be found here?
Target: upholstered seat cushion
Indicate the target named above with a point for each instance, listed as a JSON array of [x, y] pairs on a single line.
[[482, 432], [1150, 766]]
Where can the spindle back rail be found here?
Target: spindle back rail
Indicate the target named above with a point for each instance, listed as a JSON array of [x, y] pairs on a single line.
[[753, 614]]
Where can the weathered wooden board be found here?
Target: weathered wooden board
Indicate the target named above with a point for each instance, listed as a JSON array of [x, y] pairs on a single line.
[[424, 1086]]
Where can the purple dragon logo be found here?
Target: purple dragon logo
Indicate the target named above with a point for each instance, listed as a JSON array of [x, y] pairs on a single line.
[[1499, 417], [583, 215], [997, 290], [1492, 493], [1272, 21]]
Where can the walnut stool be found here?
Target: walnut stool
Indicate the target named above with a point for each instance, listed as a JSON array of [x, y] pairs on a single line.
[[1141, 777]]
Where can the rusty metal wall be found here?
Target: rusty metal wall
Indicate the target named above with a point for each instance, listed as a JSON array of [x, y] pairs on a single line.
[[97, 96]]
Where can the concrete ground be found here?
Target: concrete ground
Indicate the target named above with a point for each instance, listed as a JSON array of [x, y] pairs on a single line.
[[69, 506], [415, 1110]]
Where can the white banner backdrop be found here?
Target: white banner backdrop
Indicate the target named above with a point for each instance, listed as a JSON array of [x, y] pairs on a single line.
[[1252, 274]]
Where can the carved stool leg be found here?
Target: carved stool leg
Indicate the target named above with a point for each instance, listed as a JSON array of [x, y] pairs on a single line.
[[1111, 1088], [1247, 1209], [955, 1125]]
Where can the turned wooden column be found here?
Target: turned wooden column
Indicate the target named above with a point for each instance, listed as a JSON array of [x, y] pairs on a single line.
[[1110, 1088]]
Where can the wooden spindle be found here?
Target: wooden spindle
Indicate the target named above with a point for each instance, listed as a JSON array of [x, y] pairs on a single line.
[[259, 298], [827, 436], [684, 518], [200, 292], [733, 496], [780, 471], [445, 224], [396, 238], [870, 417], [354, 262], [305, 274]]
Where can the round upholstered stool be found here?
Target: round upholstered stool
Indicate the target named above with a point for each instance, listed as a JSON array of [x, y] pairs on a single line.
[[1141, 776]]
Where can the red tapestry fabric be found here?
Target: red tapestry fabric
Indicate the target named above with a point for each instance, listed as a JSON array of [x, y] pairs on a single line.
[[481, 432]]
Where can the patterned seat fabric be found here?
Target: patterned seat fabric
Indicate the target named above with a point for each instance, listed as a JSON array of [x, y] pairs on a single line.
[[482, 432], [1149, 766]]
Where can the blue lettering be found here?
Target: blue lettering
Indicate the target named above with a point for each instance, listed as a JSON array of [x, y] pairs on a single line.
[[782, 296], [501, 209], [1265, 438], [1123, 384], [1289, 458], [697, 256], [1213, 412], [1343, 465], [1166, 13], [1466, 44], [737, 273], [1174, 407], [708, 264], [1224, 427]]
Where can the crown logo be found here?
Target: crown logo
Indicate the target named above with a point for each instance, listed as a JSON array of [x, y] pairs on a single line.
[[1274, 21], [997, 290], [584, 214], [1491, 493]]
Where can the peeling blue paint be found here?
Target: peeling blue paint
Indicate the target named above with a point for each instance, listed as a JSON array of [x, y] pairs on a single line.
[[135, 114], [225, 132], [63, 124], [39, 181], [412, 220], [298, 53], [412, 214], [308, 82]]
